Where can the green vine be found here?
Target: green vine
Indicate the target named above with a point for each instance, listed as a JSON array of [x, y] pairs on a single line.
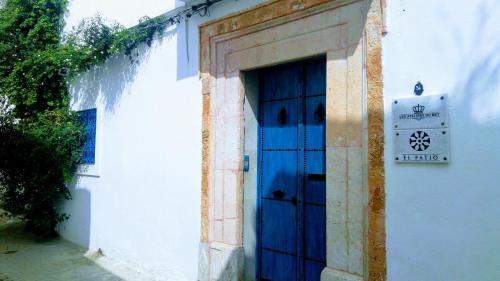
[[40, 137], [94, 40]]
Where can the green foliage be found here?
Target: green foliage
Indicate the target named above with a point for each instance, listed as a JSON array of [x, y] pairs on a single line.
[[39, 156], [95, 40], [29, 33], [41, 139], [129, 39]]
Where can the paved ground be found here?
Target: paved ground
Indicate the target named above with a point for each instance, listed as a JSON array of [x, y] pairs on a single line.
[[25, 258]]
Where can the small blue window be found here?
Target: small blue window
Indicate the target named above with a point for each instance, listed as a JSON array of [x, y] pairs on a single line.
[[88, 119]]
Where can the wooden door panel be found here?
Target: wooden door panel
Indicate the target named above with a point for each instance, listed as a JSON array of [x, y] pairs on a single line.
[[282, 83], [278, 267], [279, 226], [315, 78], [315, 232], [315, 177], [279, 125], [315, 129], [279, 174], [292, 172]]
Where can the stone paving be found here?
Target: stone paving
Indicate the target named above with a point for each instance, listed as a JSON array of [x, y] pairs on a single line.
[[23, 257]]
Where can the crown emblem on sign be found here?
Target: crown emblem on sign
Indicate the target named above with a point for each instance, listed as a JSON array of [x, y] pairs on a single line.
[[418, 109]]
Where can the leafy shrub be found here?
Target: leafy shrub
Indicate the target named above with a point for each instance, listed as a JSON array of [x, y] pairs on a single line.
[[39, 156], [41, 139]]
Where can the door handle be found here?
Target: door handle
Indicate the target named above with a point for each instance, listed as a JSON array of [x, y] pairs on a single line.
[[316, 177]]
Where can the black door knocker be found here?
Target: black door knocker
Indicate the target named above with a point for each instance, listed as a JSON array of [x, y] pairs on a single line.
[[319, 113], [282, 117]]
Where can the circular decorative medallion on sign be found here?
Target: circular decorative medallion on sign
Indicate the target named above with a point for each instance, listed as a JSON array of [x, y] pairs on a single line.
[[420, 141]]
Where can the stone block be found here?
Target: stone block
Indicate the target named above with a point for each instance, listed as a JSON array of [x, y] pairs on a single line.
[[226, 262], [218, 230], [329, 274], [336, 99]]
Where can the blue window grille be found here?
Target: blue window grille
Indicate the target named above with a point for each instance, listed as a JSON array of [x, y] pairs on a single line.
[[88, 119]]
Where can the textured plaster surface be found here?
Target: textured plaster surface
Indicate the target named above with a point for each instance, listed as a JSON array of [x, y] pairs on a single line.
[[144, 208], [443, 221]]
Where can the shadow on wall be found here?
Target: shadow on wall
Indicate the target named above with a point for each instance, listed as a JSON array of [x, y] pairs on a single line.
[[462, 196], [479, 88], [113, 77], [78, 225], [108, 86], [187, 48], [106, 83]]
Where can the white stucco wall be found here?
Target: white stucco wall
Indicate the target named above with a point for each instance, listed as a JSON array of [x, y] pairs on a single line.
[[443, 221], [143, 209]]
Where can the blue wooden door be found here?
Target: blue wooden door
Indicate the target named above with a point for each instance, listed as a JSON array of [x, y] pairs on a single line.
[[291, 215]]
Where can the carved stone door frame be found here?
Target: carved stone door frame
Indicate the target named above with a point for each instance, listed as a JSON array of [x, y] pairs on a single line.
[[349, 33]]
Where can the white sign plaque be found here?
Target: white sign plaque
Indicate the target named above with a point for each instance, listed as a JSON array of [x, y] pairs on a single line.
[[422, 146], [421, 133], [420, 112]]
